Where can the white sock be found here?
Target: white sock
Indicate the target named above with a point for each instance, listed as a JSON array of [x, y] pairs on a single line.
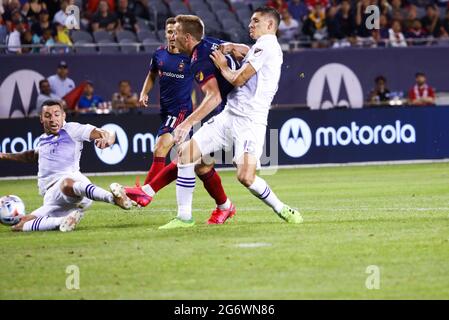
[[42, 224], [185, 185], [225, 206], [148, 190], [261, 190], [92, 192]]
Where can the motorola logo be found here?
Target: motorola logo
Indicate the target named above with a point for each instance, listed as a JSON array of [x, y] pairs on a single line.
[[295, 137]]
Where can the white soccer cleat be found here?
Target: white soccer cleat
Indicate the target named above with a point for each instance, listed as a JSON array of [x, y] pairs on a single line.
[[70, 221], [120, 197]]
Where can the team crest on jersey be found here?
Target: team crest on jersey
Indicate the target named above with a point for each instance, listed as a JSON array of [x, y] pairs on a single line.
[[181, 66], [194, 55], [257, 52], [161, 63], [199, 76]]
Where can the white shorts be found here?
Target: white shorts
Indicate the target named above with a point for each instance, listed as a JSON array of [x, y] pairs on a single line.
[[227, 131], [57, 204]]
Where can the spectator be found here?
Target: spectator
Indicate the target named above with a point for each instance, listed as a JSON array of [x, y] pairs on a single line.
[[44, 94], [125, 98], [312, 3], [60, 83], [279, 5], [412, 15], [417, 32], [396, 11], [3, 31], [13, 40], [289, 27], [53, 6], [62, 35], [431, 21], [11, 7], [33, 9], [48, 41], [44, 23], [140, 9], [126, 19], [380, 95], [298, 10], [60, 16], [445, 25], [103, 19], [315, 26], [421, 94], [396, 37], [92, 6], [26, 40], [89, 100], [344, 24]]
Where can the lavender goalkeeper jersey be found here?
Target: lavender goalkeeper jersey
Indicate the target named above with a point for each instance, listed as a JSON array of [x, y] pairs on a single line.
[[59, 155]]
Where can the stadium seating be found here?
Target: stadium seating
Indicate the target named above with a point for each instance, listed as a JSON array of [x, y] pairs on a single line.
[[128, 46], [146, 34], [102, 35], [150, 45], [108, 46], [178, 8], [218, 5], [125, 34], [80, 47], [80, 35]]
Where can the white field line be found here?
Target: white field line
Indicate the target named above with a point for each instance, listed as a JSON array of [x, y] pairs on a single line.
[[295, 166]]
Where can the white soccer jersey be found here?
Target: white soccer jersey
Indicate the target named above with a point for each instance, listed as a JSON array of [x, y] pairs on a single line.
[[60, 154], [254, 98]]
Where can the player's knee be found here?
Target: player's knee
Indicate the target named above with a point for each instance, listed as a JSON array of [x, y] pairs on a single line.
[[67, 186], [246, 178], [185, 153], [202, 169]]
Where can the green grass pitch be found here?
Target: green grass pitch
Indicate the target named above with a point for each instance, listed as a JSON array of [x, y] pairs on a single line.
[[393, 217]]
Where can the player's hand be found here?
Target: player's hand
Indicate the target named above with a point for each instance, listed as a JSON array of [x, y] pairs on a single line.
[[107, 139], [143, 100], [219, 59], [181, 131], [226, 48]]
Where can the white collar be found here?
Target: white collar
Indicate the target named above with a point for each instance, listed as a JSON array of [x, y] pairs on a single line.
[[266, 37]]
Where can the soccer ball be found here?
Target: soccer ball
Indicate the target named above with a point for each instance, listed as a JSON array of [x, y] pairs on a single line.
[[12, 209]]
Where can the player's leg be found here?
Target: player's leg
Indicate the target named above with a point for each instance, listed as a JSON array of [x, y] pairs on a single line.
[[209, 138], [212, 183], [80, 188], [163, 145]]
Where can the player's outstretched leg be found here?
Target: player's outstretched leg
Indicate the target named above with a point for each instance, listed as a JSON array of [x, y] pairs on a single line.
[[246, 174], [144, 195], [212, 183]]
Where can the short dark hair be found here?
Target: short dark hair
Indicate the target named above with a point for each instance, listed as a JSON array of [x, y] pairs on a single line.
[[270, 11], [42, 81], [123, 81], [170, 20], [52, 102], [420, 74], [380, 78], [192, 25]]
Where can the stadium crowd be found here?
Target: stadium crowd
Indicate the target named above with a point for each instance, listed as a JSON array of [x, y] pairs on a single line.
[[40, 25]]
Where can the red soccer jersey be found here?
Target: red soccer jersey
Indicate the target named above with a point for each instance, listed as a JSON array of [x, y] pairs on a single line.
[[421, 92]]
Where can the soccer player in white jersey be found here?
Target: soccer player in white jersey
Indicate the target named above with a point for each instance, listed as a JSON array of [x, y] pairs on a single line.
[[242, 123], [67, 193]]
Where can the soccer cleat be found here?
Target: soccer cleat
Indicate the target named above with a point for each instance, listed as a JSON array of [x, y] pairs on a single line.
[[70, 221], [137, 195], [290, 215], [220, 216], [177, 223], [120, 197]]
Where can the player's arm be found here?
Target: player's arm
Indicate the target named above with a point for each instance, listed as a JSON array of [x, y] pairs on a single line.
[[237, 50], [102, 138], [235, 77], [26, 157], [147, 86], [212, 98]]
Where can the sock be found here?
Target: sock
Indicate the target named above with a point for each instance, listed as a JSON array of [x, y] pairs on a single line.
[[212, 183], [166, 176], [42, 224], [185, 184], [92, 192], [261, 190], [225, 206], [157, 165]]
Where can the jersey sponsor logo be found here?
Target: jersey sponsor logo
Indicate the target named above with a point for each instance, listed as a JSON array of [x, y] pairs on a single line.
[[172, 75], [199, 76], [117, 152], [257, 52], [18, 93], [295, 137], [334, 85]]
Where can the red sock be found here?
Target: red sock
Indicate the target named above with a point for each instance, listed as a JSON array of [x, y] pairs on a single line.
[[156, 167], [212, 183], [165, 176]]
